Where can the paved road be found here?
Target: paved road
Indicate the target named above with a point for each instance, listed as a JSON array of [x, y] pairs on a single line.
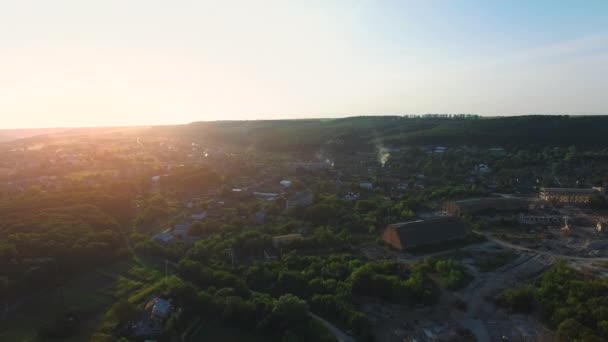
[[339, 334]]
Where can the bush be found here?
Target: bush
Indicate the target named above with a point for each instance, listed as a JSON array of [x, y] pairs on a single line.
[[520, 299], [570, 330], [61, 328]]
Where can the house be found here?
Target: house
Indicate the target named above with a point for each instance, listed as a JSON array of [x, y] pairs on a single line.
[[424, 232], [200, 216], [181, 230], [286, 240], [161, 309], [568, 195], [497, 151], [164, 237], [540, 219], [266, 195], [366, 185], [482, 168], [259, 217], [300, 199], [350, 196], [310, 166]]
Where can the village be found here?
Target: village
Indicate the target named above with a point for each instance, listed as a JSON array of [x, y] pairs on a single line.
[[532, 231], [496, 227]]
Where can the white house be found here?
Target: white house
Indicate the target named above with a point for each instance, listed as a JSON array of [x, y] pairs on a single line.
[[366, 185], [164, 237], [199, 216], [181, 230]]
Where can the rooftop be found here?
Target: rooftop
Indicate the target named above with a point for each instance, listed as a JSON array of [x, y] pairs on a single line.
[[569, 190], [161, 308], [287, 237], [424, 232]]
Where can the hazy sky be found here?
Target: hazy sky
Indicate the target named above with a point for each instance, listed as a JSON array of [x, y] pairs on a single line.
[[128, 62]]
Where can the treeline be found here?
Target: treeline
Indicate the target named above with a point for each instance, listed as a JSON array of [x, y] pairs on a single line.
[[285, 318], [329, 286], [360, 133], [45, 237]]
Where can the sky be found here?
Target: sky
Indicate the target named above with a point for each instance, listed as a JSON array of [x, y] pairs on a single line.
[[71, 63]]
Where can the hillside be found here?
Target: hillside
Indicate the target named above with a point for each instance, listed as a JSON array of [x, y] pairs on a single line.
[[363, 132]]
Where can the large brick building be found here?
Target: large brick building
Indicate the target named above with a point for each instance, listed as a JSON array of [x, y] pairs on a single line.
[[477, 205], [568, 195], [424, 232]]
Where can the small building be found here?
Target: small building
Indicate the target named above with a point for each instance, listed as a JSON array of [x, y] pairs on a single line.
[[482, 168], [200, 216], [310, 166], [181, 230], [161, 309], [350, 196], [300, 199], [424, 232], [164, 237], [286, 240], [540, 219], [267, 195], [568, 195], [366, 185], [285, 183], [259, 217]]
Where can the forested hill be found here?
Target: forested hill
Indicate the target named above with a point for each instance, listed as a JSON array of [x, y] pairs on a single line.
[[359, 132], [14, 134]]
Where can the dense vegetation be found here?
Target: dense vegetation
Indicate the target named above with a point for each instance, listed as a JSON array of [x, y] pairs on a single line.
[[364, 132], [253, 296], [68, 216], [45, 237], [574, 303]]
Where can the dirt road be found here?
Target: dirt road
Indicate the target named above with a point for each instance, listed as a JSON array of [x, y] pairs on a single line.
[[339, 334]]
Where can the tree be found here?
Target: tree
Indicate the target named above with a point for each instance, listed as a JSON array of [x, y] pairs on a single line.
[[291, 311], [124, 311], [291, 282], [569, 330], [521, 299], [196, 229]]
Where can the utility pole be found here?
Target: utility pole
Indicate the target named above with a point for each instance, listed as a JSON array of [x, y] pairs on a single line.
[[166, 273], [60, 285], [230, 252]]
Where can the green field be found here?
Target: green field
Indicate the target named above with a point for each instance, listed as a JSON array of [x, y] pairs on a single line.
[[214, 331], [89, 295]]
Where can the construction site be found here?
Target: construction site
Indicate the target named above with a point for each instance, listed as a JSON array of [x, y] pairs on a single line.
[[526, 236], [469, 313]]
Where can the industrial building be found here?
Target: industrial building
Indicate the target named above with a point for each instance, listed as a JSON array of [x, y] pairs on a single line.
[[477, 205], [568, 195], [424, 232]]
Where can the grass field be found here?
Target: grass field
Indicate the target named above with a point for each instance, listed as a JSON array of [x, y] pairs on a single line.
[[214, 331], [89, 295]]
